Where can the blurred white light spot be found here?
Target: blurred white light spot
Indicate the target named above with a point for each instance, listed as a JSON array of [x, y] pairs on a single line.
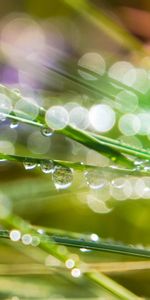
[[94, 237], [123, 71], [126, 101], [27, 239], [143, 187], [93, 62], [15, 235], [129, 124], [75, 273], [120, 188], [37, 143], [102, 117], [21, 37], [26, 107], [144, 118], [57, 117], [70, 263], [79, 117], [96, 205]]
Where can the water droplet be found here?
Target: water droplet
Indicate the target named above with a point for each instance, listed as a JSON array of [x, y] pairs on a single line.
[[46, 131], [94, 237], [62, 177], [14, 124], [27, 239], [29, 165], [70, 263], [15, 235], [85, 250], [47, 167], [35, 241], [75, 273], [95, 180]]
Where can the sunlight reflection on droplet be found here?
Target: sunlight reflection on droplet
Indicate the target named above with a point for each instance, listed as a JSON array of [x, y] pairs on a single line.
[[57, 117], [102, 117], [76, 273], [91, 62], [94, 237], [129, 124], [15, 235], [70, 263]]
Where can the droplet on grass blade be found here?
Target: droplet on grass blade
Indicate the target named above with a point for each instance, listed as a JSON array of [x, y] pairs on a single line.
[[26, 239], [47, 167], [46, 131], [14, 124], [62, 177], [15, 235], [29, 165], [76, 273]]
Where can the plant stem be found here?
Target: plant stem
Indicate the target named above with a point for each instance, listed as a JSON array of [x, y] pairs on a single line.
[[112, 286]]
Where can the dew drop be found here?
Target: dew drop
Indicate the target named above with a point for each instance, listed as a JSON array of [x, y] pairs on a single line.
[[29, 165], [15, 235], [14, 124], [76, 273], [47, 167], [46, 131], [62, 177], [26, 239], [84, 250]]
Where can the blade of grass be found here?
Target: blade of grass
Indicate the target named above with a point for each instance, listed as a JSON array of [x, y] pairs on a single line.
[[48, 246], [115, 288]]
